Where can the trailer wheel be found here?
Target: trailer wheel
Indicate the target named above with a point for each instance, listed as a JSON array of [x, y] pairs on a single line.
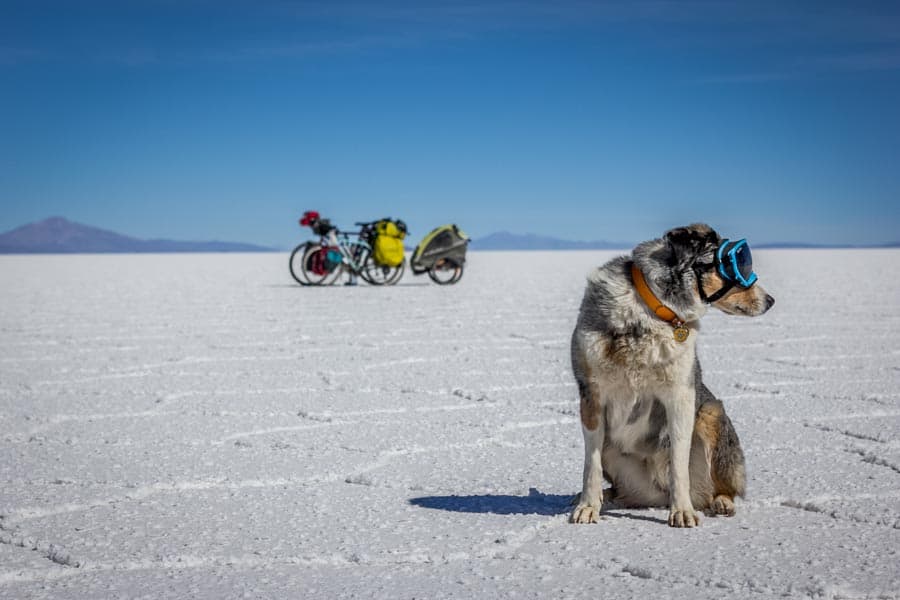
[[445, 272]]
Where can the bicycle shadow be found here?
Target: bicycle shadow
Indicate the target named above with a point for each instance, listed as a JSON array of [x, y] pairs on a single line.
[[342, 285]]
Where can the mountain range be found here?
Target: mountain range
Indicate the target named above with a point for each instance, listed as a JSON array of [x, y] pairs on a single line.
[[58, 235], [529, 241]]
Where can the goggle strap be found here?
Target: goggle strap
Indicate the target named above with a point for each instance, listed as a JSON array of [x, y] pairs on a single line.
[[721, 292], [718, 293]]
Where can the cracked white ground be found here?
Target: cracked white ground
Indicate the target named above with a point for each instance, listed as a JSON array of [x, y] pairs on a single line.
[[199, 426]]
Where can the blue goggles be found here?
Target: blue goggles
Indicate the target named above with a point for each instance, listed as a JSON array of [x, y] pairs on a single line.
[[734, 263]]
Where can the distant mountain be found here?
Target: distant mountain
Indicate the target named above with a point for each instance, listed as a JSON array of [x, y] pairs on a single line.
[[808, 246], [58, 235], [504, 240]]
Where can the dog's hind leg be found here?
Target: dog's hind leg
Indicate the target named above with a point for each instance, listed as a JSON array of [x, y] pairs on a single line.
[[592, 427], [632, 479], [702, 444], [722, 452]]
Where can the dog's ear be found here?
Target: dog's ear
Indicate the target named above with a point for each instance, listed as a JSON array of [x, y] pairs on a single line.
[[681, 237], [688, 243]]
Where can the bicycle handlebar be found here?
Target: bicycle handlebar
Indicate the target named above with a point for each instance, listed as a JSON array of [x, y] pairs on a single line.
[[324, 227], [337, 231]]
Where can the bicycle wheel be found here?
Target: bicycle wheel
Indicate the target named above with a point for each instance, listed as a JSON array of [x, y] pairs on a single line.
[[296, 264], [378, 274], [311, 276], [445, 272], [398, 273]]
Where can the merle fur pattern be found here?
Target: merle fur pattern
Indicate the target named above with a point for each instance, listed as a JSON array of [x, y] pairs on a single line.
[[651, 426]]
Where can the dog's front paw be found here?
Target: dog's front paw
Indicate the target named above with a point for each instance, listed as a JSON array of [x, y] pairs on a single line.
[[585, 513], [680, 517]]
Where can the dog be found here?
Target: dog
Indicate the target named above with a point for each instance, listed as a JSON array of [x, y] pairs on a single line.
[[650, 425]]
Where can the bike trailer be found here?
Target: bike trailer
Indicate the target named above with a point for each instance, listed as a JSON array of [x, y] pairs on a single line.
[[447, 243], [388, 245]]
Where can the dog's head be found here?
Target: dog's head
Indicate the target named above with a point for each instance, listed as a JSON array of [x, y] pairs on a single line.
[[722, 270]]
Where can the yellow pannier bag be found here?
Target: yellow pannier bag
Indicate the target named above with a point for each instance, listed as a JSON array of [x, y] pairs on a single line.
[[388, 244]]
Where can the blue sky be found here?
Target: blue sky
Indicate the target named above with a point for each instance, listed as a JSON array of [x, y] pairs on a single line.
[[188, 119]]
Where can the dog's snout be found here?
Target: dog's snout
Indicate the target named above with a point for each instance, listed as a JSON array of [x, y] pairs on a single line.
[[770, 301]]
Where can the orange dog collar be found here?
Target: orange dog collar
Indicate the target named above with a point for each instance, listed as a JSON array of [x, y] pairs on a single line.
[[659, 309]]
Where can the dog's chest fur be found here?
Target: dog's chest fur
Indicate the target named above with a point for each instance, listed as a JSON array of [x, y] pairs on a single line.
[[636, 384], [638, 426]]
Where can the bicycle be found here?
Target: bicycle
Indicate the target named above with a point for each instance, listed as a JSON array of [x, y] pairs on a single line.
[[322, 262]]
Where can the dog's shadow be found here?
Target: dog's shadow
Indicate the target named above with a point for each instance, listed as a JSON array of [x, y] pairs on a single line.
[[535, 503]]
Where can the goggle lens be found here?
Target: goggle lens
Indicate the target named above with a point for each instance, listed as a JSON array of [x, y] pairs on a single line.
[[736, 263]]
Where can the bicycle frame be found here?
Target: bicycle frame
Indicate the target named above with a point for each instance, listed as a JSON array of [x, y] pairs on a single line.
[[344, 247]]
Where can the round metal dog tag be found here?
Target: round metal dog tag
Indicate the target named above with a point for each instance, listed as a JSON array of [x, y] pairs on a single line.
[[681, 333]]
